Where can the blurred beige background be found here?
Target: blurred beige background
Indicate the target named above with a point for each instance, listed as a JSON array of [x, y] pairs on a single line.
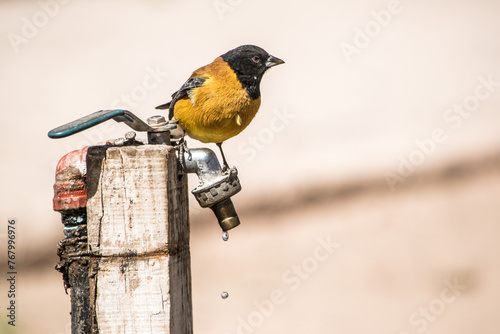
[[370, 175]]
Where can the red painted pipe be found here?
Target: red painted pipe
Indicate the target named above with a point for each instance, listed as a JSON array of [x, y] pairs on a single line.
[[70, 189], [70, 199]]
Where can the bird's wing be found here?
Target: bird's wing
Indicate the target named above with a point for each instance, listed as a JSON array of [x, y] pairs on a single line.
[[190, 84]]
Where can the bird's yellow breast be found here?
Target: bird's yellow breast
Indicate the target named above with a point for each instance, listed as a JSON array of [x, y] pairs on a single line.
[[219, 109]]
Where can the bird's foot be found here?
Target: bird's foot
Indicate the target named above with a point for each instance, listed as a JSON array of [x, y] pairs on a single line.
[[183, 149], [226, 165]]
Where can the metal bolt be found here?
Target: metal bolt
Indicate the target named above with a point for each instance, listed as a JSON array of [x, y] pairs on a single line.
[[119, 141], [130, 135], [157, 120]]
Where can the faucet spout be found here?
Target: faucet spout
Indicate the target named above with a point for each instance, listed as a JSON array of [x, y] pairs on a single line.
[[216, 187]]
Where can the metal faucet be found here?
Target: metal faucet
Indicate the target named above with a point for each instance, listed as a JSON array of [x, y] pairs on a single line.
[[215, 188]]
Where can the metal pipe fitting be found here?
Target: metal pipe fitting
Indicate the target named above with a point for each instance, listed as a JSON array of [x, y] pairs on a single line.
[[215, 187], [70, 199], [160, 130]]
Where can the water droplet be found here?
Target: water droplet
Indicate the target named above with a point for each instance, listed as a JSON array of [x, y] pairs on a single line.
[[224, 295], [225, 236]]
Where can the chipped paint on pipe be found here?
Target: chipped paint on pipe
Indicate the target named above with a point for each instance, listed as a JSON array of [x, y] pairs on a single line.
[[70, 190], [70, 199]]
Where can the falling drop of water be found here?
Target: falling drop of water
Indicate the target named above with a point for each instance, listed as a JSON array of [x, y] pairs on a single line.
[[225, 236], [224, 295]]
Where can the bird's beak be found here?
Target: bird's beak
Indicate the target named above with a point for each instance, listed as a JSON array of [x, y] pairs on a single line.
[[273, 61]]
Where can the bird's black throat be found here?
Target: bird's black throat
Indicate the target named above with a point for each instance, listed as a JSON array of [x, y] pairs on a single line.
[[251, 84]]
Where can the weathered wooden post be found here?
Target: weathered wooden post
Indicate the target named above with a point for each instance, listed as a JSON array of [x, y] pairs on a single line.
[[126, 257], [138, 241], [125, 206]]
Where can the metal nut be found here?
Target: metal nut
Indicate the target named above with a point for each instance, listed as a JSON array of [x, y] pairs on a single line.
[[157, 120], [130, 135]]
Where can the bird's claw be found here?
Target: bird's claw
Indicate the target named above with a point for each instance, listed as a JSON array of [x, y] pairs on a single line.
[[183, 149], [226, 165]]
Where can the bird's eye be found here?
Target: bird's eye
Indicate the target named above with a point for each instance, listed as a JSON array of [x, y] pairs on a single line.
[[256, 59]]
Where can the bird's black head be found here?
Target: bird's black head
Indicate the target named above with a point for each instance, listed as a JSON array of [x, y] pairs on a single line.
[[250, 62]]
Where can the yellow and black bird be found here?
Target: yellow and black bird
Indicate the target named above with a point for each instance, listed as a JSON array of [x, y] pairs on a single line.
[[220, 99]]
